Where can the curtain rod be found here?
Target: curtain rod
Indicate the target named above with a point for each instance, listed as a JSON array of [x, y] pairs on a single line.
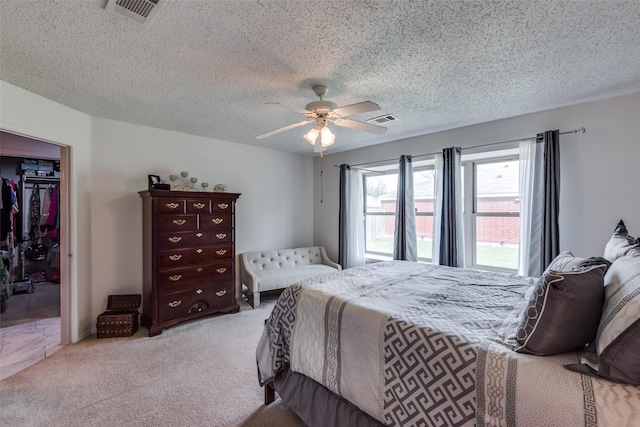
[[580, 131]]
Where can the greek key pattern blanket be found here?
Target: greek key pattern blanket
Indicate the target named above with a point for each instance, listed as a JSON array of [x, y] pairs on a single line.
[[424, 345]]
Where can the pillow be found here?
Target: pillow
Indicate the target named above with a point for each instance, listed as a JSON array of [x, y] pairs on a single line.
[[595, 260], [563, 312], [617, 344], [620, 243], [565, 261]]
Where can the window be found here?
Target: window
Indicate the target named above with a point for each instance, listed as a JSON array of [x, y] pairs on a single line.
[[424, 198], [380, 211], [491, 209], [380, 214], [492, 215]]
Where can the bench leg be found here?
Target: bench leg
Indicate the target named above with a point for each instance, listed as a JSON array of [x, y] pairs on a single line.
[[269, 394], [254, 299]]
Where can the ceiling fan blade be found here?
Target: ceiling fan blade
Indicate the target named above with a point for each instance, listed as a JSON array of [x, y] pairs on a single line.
[[354, 124], [282, 129], [286, 107], [360, 107]]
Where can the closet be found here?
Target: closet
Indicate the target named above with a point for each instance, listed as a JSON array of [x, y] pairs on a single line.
[[29, 228]]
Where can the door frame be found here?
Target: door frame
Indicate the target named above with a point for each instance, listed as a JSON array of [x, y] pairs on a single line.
[[65, 233]]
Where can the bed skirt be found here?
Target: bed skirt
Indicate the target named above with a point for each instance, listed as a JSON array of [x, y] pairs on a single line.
[[315, 404]]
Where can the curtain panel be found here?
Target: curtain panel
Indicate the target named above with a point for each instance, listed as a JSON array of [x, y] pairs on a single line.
[[405, 241], [449, 231], [531, 202], [539, 203], [351, 218], [550, 236]]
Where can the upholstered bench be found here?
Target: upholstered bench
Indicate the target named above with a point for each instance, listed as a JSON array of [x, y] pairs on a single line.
[[278, 269]]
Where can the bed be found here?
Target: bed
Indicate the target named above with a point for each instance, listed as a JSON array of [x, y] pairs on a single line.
[[409, 344]]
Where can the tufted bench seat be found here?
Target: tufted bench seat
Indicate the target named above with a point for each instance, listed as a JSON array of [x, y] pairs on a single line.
[[277, 269]]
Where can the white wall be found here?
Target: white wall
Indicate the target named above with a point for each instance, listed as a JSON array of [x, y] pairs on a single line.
[[110, 163], [27, 114], [275, 209], [599, 169]]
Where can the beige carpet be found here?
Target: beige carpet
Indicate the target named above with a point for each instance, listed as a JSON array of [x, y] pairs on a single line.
[[201, 373]]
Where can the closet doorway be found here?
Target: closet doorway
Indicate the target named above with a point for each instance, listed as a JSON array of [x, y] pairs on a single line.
[[36, 318]]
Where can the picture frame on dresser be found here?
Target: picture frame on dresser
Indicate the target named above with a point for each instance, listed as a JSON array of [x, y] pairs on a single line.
[[153, 180], [188, 256]]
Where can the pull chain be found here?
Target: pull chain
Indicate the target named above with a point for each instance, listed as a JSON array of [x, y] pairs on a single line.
[[321, 172]]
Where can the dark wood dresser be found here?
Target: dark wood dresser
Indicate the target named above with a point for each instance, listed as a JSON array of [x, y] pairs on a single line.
[[189, 256]]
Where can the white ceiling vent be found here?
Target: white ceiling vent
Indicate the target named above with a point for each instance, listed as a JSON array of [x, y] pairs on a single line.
[[383, 119], [141, 11]]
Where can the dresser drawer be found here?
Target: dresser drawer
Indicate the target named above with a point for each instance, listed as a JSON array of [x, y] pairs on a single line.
[[169, 206], [179, 279], [191, 302], [216, 220], [195, 255], [221, 206], [198, 206], [177, 222], [192, 238]]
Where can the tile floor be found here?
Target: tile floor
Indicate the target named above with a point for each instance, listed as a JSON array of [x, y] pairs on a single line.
[[23, 345]]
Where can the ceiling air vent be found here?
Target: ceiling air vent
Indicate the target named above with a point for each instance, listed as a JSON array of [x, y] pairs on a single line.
[[382, 119], [141, 11]]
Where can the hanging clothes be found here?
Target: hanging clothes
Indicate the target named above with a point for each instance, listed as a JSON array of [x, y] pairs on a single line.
[[9, 208], [53, 222], [34, 213], [44, 210]]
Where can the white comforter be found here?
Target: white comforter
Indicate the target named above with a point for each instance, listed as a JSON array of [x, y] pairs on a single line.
[[419, 344]]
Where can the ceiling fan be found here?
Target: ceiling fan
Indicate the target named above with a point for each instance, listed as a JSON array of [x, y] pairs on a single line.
[[321, 112]]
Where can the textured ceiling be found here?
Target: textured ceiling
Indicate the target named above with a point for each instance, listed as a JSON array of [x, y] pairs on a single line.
[[208, 67]]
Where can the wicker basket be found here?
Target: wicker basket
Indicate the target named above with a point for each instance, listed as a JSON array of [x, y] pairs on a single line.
[[121, 317]]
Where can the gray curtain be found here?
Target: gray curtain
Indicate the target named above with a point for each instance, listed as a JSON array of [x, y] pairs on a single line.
[[550, 238], [351, 218], [405, 241], [343, 214], [451, 247]]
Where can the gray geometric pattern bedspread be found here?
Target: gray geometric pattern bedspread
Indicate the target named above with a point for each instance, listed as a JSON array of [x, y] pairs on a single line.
[[425, 345]]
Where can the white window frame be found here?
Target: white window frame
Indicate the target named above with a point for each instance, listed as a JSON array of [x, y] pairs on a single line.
[[469, 163], [390, 169]]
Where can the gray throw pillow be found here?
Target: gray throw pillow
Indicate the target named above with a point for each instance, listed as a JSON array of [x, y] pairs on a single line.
[[563, 312], [620, 243], [565, 261], [618, 340]]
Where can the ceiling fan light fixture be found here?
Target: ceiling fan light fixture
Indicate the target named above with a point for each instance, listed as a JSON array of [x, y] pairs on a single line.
[[312, 135], [326, 136]]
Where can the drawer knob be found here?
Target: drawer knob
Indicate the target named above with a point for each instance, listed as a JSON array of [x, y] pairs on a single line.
[[174, 304], [223, 205], [199, 205], [199, 291], [199, 251], [175, 278], [179, 221], [221, 236], [221, 251], [221, 270], [216, 220], [172, 205], [199, 269], [175, 239], [198, 234], [175, 257], [221, 293]]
